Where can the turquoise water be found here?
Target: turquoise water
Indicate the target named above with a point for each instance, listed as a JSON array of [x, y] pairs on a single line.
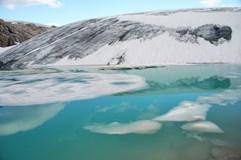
[[82, 113]]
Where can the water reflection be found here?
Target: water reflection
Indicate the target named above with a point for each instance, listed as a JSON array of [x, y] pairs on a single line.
[[211, 83], [184, 79]]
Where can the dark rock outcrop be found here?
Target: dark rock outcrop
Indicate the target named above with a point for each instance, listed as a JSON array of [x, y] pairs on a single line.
[[213, 33], [17, 32], [209, 32]]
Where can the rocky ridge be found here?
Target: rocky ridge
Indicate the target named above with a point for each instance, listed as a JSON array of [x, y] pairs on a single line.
[[12, 33]]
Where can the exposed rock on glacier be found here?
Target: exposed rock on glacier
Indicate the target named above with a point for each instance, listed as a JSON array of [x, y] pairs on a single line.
[[213, 33]]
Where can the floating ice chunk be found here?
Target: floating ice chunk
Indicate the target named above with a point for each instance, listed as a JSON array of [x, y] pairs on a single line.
[[186, 111], [38, 88], [202, 126], [19, 119], [138, 127], [226, 98]]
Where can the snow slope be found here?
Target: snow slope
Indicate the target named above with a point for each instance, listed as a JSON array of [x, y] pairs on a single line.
[[3, 49], [151, 38]]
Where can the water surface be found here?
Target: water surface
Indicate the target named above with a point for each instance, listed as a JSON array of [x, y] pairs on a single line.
[[165, 113]]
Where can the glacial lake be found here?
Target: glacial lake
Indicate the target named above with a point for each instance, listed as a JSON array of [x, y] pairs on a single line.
[[190, 112]]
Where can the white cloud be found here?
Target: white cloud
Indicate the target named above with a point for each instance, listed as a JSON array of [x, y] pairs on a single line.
[[11, 4], [209, 3]]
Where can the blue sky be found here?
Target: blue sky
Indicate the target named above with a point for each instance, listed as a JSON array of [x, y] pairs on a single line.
[[60, 12]]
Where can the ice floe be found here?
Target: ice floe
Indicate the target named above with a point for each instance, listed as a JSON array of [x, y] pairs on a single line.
[[186, 111], [38, 88], [138, 127], [19, 119], [225, 98], [202, 126]]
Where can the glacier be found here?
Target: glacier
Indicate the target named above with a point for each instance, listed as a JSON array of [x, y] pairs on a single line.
[[190, 36]]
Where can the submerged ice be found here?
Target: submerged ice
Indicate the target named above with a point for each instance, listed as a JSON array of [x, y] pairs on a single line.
[[226, 98], [186, 111], [202, 126], [20, 119], [138, 127]]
